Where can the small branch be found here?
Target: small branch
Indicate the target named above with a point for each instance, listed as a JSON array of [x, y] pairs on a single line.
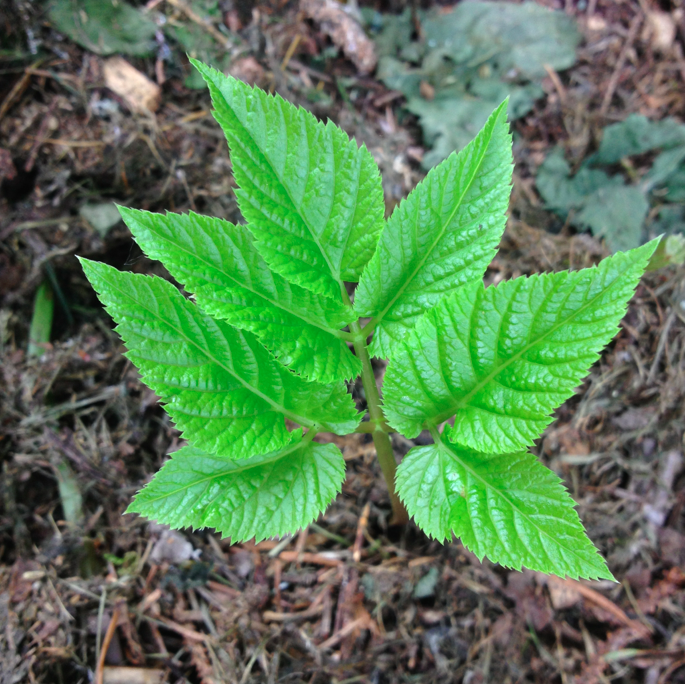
[[99, 670], [342, 334], [616, 75], [369, 427], [200, 21], [434, 430]]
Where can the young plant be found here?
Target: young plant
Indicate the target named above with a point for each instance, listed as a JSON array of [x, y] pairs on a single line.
[[268, 334]]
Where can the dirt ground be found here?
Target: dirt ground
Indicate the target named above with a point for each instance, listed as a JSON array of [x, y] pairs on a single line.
[[92, 595]]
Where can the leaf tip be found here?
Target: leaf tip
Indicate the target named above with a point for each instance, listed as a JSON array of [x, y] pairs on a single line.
[[126, 212]]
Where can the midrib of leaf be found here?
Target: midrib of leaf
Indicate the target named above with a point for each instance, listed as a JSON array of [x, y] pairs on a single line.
[[487, 485], [239, 468], [333, 331], [463, 402], [334, 273], [377, 319], [281, 409]]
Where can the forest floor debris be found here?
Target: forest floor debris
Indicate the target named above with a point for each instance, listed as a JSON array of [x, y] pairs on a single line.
[[88, 593]]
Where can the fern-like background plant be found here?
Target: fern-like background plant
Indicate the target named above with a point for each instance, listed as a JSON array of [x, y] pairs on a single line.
[[273, 331]]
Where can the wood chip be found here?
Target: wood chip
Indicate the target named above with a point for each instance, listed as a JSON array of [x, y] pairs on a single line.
[[132, 675], [184, 631], [605, 603], [140, 93], [273, 616], [151, 598], [344, 31], [313, 558]]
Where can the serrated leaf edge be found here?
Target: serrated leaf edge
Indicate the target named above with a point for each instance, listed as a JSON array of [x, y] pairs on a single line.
[[236, 467], [206, 71], [301, 420], [124, 211], [495, 115], [443, 447], [647, 250], [255, 462]]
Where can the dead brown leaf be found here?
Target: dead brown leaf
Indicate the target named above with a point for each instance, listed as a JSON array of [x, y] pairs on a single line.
[[344, 30]]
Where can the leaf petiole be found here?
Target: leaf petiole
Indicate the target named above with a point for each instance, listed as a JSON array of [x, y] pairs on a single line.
[[369, 427]]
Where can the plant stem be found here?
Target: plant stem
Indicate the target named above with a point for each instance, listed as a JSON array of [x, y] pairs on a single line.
[[381, 439]]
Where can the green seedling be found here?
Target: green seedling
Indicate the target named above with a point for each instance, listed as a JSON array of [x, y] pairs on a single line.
[[271, 333], [41, 320]]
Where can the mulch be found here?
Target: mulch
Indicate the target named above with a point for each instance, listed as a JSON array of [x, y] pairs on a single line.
[[351, 599]]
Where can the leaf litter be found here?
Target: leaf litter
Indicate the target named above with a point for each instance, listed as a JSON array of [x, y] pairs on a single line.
[[266, 619]]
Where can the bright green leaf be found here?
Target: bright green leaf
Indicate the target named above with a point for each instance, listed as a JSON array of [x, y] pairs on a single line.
[[508, 507], [218, 263], [265, 496], [442, 236], [226, 393], [311, 197], [503, 358], [496, 362]]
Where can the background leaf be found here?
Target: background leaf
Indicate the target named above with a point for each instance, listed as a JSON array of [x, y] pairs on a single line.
[[443, 235], [472, 57], [638, 134], [503, 358], [266, 496], [614, 207], [593, 199], [311, 197], [194, 39], [616, 213], [508, 507], [226, 393], [218, 262], [105, 27]]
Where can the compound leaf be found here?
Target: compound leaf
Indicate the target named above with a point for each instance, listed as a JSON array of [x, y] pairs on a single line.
[[223, 389], [311, 197], [264, 496], [217, 262], [443, 235], [508, 507], [503, 358]]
